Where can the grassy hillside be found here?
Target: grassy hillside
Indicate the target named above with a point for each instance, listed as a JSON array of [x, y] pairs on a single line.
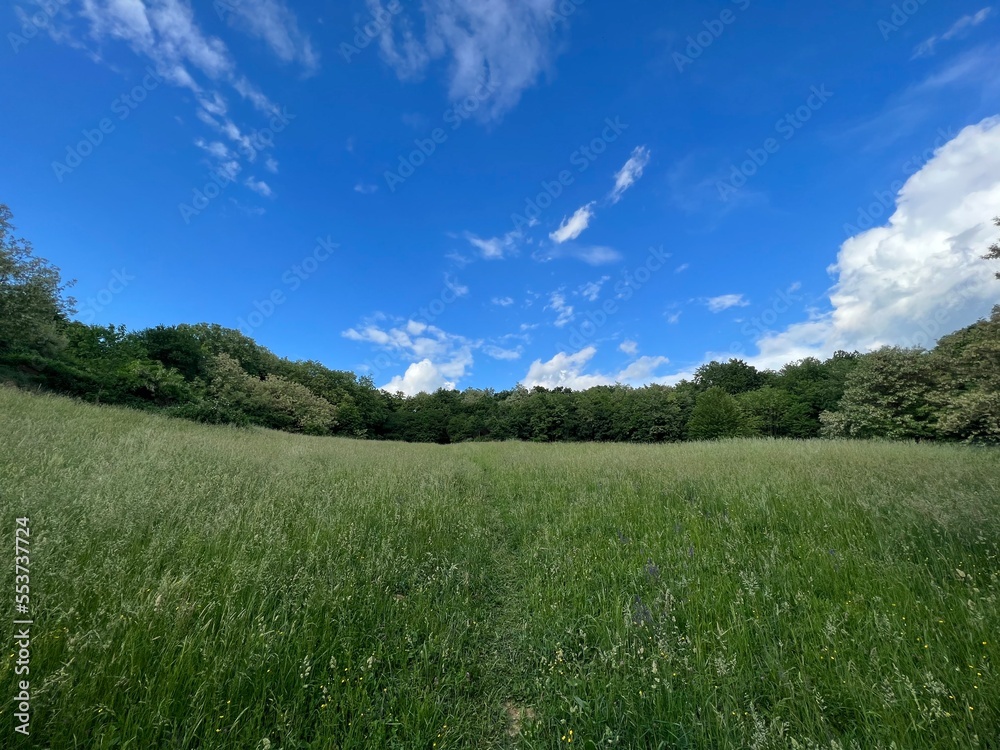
[[205, 587]]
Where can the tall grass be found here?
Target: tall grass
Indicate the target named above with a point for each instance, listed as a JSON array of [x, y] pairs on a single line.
[[205, 587]]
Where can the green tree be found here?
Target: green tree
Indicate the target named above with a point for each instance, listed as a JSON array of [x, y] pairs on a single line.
[[773, 412], [176, 347], [33, 309], [734, 376], [968, 362], [994, 252], [891, 394], [716, 415]]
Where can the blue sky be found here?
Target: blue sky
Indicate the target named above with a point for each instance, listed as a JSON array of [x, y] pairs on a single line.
[[476, 193]]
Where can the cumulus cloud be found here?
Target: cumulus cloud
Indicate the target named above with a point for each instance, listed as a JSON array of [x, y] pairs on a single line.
[[568, 371], [438, 359], [725, 301], [921, 275], [629, 173], [629, 347], [420, 377], [506, 43], [958, 29], [917, 278], [573, 226]]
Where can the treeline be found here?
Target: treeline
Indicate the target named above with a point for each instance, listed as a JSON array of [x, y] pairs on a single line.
[[213, 374]]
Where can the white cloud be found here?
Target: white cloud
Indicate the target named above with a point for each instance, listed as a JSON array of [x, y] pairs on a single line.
[[917, 278], [457, 288], [557, 302], [495, 248], [629, 173], [567, 371], [165, 33], [592, 255], [674, 317], [573, 226], [272, 22], [629, 347], [365, 189], [682, 268], [504, 42], [502, 301], [438, 359], [497, 352], [591, 291], [215, 148], [420, 377], [960, 27], [725, 301], [922, 275], [259, 186], [271, 165]]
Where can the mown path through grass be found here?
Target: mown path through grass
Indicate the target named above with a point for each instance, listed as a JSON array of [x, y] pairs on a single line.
[[200, 587]]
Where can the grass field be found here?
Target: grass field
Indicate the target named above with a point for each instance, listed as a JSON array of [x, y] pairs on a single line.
[[204, 587]]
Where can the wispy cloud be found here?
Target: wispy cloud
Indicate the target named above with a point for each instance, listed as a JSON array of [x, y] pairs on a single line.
[[592, 255], [725, 301], [591, 291], [629, 173], [565, 312], [259, 186], [506, 43], [365, 188], [272, 22], [494, 248], [497, 352], [573, 226], [929, 46], [502, 301]]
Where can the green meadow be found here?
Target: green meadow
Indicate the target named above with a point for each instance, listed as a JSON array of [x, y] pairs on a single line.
[[210, 587]]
